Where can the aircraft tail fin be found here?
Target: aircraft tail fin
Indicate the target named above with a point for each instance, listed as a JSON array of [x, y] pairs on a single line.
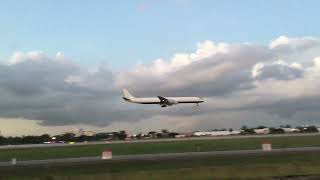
[[127, 95]]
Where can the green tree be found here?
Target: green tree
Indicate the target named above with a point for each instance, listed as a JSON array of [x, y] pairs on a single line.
[[152, 134], [122, 135], [45, 138], [244, 127], [276, 131], [164, 131]]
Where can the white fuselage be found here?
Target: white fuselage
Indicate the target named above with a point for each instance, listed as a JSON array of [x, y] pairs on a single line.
[[163, 101], [155, 100]]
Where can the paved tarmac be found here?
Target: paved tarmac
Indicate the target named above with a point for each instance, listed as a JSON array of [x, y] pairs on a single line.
[[154, 156], [155, 140]]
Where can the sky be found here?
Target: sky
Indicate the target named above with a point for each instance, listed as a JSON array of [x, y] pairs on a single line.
[[120, 34], [64, 63]]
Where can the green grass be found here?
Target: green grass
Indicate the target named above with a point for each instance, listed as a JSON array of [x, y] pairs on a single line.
[[158, 147], [216, 167]]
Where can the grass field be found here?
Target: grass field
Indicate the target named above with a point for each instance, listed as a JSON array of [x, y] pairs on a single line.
[[158, 147], [267, 166]]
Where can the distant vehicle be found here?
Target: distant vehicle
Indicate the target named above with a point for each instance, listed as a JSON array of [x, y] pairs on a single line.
[[162, 101], [48, 142]]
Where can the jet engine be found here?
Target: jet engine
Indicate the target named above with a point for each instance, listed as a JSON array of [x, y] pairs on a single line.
[[164, 102], [171, 102]]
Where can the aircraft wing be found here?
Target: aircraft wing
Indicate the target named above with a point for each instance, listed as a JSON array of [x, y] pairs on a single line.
[[163, 99]]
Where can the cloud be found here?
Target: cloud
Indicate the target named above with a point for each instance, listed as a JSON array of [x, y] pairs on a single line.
[[215, 71], [34, 86], [19, 57], [241, 83], [294, 43], [279, 70], [255, 73]]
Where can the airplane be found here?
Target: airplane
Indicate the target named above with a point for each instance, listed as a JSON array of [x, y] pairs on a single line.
[[162, 101]]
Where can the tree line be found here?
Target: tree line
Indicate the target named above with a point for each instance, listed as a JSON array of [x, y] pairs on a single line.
[[66, 137], [72, 137], [122, 135]]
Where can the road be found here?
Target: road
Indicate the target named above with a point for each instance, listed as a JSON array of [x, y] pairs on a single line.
[[155, 156], [156, 140]]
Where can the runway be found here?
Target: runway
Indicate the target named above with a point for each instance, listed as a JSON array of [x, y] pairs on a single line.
[[154, 140], [154, 156]]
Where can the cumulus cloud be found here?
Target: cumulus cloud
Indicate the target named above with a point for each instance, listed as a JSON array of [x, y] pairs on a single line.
[[279, 70], [225, 70], [19, 57], [55, 90], [241, 83], [296, 43]]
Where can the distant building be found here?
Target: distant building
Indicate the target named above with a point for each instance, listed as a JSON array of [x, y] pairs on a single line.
[[180, 136], [81, 132], [184, 134], [89, 133], [262, 131], [290, 130], [216, 133]]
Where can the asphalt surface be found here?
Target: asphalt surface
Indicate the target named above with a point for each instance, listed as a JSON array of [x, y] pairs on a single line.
[[155, 140], [154, 156]]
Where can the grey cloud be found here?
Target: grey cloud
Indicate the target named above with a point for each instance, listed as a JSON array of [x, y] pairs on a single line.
[[303, 107], [279, 72], [39, 90], [302, 49], [284, 44], [217, 75], [34, 77], [60, 92]]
